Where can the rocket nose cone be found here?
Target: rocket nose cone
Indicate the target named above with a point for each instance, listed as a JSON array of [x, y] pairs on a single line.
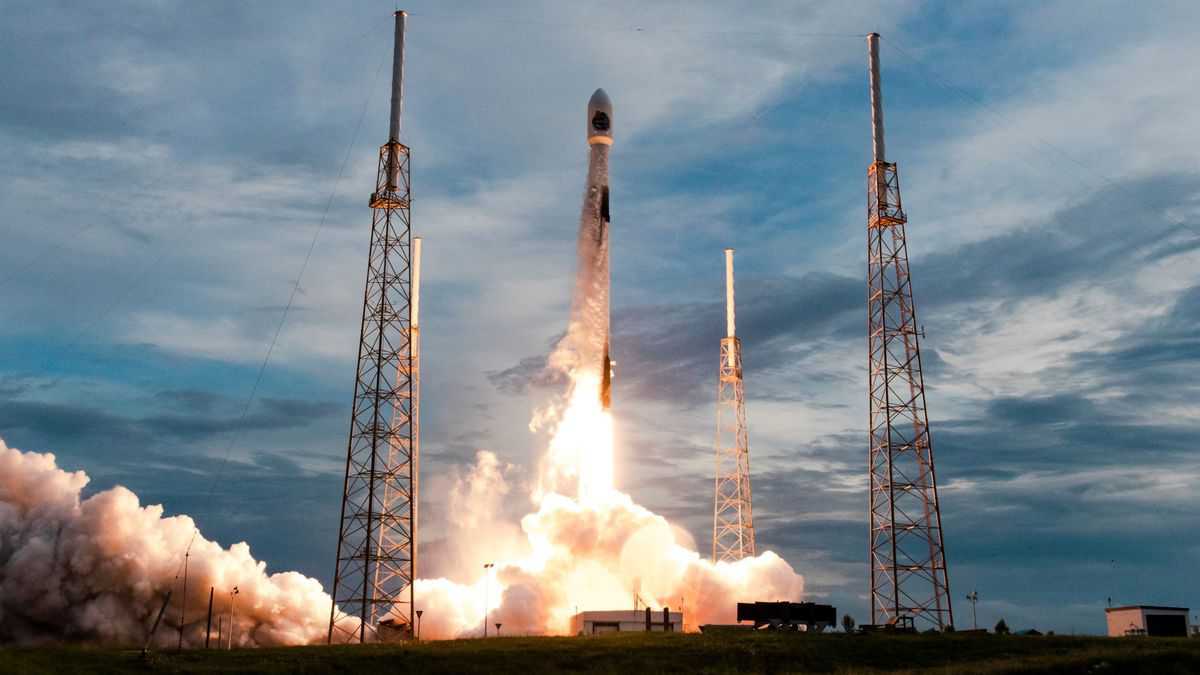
[[600, 115], [600, 100]]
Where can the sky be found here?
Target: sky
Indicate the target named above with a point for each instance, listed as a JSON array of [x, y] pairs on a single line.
[[177, 172]]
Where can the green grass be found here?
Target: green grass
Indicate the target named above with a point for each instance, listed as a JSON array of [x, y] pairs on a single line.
[[647, 654]]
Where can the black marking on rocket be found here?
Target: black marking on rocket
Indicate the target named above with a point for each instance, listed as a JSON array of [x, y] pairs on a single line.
[[602, 231], [606, 377], [606, 380]]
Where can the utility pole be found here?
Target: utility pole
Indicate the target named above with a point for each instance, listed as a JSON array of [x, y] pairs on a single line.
[[973, 597], [208, 626], [733, 519], [377, 546], [487, 575], [232, 614], [183, 600], [909, 577], [157, 620]]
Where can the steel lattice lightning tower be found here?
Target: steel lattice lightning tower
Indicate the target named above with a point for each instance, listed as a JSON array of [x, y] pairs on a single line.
[[377, 544], [908, 557], [733, 518]]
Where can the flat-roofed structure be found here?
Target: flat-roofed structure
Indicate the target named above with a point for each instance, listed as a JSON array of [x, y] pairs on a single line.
[[627, 621], [1147, 620]]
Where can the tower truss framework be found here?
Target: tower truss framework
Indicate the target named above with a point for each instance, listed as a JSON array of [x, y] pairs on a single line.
[[733, 517], [377, 544], [909, 576], [376, 556]]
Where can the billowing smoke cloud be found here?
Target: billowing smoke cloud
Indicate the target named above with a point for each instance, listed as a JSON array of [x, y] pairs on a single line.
[[578, 555], [477, 518], [97, 569]]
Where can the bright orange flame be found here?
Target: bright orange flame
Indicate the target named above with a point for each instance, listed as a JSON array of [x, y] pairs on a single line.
[[596, 550], [582, 447]]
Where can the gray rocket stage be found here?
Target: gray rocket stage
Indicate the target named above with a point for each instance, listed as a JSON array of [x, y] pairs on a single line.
[[588, 331]]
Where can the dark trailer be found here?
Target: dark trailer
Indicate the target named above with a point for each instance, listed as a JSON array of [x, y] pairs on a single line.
[[788, 615]]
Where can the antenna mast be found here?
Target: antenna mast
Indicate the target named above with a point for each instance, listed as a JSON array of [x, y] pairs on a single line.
[[909, 577], [377, 552], [733, 519]]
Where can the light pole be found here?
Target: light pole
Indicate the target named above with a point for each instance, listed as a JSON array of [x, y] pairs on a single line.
[[183, 600], [419, 613], [232, 613], [973, 597], [486, 578]]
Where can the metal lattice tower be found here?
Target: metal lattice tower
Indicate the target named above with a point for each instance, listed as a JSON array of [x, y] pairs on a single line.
[[733, 518], [909, 577], [377, 544]]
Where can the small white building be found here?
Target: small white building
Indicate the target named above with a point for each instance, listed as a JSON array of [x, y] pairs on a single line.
[[1147, 620], [626, 621]]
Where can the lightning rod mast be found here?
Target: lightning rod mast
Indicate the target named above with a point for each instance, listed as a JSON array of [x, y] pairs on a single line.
[[733, 519], [909, 577], [377, 546]]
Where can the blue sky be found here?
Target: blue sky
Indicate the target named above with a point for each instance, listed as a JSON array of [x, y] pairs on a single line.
[[168, 165]]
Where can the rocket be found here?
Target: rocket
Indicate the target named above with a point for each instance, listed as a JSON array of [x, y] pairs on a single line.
[[588, 332], [600, 114]]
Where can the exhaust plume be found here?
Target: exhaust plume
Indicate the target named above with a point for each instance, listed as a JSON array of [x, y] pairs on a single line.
[[97, 569]]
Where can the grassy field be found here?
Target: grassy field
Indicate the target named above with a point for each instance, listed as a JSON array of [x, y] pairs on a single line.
[[641, 653]]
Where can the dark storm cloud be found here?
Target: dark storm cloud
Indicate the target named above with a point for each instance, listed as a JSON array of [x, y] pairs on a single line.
[[59, 424], [668, 352], [190, 399], [1063, 432], [54, 422], [1156, 364], [532, 371], [1104, 238]]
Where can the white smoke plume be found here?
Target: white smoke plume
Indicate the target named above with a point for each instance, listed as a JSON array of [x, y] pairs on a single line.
[[97, 569], [580, 556]]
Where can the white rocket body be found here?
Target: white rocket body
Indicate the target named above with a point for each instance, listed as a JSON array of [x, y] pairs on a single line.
[[589, 327]]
